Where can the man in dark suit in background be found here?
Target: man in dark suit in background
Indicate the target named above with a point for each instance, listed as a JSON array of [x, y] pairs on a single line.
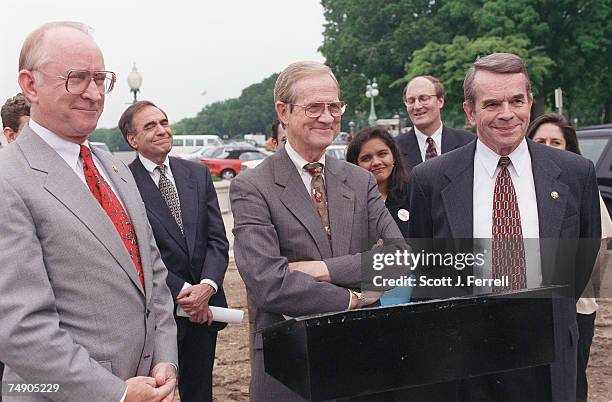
[[424, 100], [548, 194], [184, 213]]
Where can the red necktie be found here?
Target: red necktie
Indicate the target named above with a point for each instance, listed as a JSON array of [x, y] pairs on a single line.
[[508, 258], [113, 208], [430, 152]]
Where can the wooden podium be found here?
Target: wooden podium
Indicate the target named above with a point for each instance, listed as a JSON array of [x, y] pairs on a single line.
[[418, 351]]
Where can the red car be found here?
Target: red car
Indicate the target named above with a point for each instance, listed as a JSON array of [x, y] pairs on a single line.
[[225, 161]]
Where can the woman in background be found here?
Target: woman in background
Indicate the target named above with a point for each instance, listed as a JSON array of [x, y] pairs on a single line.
[[556, 131], [375, 150]]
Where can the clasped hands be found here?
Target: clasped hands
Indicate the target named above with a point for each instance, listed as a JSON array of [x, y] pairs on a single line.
[[157, 388], [194, 300], [319, 271]]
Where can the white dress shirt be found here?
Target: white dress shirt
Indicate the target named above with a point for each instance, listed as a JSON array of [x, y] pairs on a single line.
[[422, 140], [155, 174], [299, 162], [485, 175]]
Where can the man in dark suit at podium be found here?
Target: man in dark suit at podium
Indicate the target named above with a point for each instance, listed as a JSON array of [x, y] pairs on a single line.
[[506, 188], [184, 214], [428, 138]]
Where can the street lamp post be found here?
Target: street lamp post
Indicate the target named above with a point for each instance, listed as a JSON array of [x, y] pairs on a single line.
[[372, 92], [134, 81]]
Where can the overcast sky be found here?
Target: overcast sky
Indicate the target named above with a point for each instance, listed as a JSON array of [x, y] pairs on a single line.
[[182, 48]]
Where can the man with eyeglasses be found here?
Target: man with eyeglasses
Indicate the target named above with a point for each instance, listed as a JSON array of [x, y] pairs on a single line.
[[83, 299], [428, 138], [302, 219]]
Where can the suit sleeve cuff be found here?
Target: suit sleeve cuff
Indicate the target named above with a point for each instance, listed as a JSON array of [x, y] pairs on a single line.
[[211, 283], [124, 395]]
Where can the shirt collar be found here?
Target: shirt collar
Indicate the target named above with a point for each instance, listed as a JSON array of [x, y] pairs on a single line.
[[520, 158], [150, 166], [69, 151], [437, 136], [297, 159]]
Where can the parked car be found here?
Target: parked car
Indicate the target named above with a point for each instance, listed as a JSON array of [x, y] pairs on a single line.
[[596, 144], [337, 151], [100, 145], [185, 144], [225, 161]]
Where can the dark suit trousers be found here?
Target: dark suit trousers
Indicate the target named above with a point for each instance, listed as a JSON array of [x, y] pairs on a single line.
[[586, 330], [196, 353]]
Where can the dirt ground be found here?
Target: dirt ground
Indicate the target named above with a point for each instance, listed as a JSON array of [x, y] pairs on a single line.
[[232, 372]]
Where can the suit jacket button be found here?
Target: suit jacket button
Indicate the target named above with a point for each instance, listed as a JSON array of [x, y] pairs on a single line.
[[147, 313]]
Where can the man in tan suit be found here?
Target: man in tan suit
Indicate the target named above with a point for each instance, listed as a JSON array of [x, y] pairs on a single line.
[[302, 219], [83, 298]]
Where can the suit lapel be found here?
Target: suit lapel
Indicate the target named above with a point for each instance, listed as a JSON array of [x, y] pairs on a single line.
[[297, 200], [458, 195], [545, 177], [340, 200], [188, 197], [155, 203], [68, 189], [412, 151]]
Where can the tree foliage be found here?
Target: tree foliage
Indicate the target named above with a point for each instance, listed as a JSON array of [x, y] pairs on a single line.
[[566, 43], [112, 137], [252, 112]]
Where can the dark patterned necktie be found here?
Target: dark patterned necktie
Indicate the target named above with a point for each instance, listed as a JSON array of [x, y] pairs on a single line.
[[113, 208], [169, 194], [430, 152], [508, 258], [319, 194]]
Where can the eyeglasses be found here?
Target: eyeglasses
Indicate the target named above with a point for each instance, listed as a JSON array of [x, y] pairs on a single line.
[[314, 110], [423, 99], [77, 81]]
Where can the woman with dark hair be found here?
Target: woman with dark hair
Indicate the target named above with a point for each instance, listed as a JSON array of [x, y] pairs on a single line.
[[556, 131], [375, 150]]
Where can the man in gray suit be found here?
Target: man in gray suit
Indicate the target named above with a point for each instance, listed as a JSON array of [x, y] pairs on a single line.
[[83, 298], [302, 219]]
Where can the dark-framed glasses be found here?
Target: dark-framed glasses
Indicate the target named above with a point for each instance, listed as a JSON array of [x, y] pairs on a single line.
[[423, 99], [77, 81], [316, 109]]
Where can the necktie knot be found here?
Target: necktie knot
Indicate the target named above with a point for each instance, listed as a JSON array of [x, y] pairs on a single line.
[[504, 162], [430, 141], [162, 169], [85, 153], [314, 169]]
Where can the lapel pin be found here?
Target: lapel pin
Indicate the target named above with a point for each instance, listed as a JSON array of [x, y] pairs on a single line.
[[554, 195], [115, 168]]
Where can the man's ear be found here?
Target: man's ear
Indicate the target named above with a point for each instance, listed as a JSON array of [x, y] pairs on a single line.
[[469, 112], [282, 110], [9, 134], [441, 101], [131, 139], [27, 82]]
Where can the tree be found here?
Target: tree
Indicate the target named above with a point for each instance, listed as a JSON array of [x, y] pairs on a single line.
[[449, 62], [252, 112], [111, 137], [566, 44]]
